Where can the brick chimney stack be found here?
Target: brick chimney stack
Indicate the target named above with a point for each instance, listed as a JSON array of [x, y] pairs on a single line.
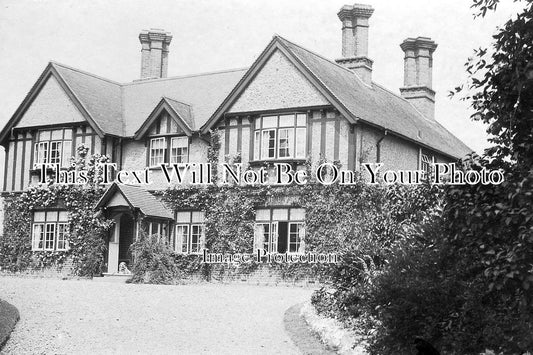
[[418, 67], [354, 20], [154, 53]]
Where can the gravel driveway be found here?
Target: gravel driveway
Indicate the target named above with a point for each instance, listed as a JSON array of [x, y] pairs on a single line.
[[83, 316]]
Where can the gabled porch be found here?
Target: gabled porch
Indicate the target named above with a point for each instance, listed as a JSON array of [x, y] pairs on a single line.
[[133, 209]]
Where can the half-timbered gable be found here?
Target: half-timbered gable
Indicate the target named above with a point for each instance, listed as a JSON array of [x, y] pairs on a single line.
[[47, 128]]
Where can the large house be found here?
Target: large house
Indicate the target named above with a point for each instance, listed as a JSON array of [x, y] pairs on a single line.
[[290, 105]]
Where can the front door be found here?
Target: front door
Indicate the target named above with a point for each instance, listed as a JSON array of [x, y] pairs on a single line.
[[126, 239]]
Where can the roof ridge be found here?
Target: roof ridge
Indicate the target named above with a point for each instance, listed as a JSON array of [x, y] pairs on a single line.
[[85, 73], [316, 54], [178, 101], [136, 82], [327, 60]]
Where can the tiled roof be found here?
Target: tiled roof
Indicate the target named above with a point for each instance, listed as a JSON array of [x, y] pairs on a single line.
[[139, 198], [184, 111], [121, 109], [100, 97], [204, 92], [376, 105]]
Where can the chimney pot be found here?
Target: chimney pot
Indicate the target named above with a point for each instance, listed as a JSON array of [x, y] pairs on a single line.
[[154, 53], [418, 67], [354, 20]]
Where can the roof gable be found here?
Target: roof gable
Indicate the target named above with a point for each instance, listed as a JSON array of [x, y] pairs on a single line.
[[378, 106], [180, 114], [354, 99], [202, 92], [275, 44], [43, 82], [51, 105], [137, 198], [277, 85]]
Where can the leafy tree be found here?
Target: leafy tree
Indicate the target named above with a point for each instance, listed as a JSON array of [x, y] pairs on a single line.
[[496, 222], [466, 284]]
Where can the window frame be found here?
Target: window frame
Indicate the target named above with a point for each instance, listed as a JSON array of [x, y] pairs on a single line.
[[297, 139], [151, 150], [185, 147], [168, 155], [64, 152], [49, 231], [271, 240], [186, 247]]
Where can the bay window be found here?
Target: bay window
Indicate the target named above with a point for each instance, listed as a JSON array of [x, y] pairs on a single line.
[[50, 230], [280, 137]]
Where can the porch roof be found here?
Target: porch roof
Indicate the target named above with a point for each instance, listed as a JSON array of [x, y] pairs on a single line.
[[137, 198]]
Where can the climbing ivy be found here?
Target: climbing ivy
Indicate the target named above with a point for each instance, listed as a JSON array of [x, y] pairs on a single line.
[[86, 227]]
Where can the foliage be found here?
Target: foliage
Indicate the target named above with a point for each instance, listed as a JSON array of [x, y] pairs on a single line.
[[464, 281], [153, 261], [374, 222], [86, 245], [9, 316]]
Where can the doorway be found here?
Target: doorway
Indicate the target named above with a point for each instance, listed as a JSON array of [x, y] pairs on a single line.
[[126, 239]]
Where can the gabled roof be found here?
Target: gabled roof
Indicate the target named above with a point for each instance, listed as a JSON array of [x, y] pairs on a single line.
[[203, 92], [180, 112], [121, 109], [137, 198], [80, 97], [357, 101], [101, 97], [200, 100]]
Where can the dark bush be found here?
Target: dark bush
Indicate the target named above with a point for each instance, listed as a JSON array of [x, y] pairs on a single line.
[[153, 260], [9, 316]]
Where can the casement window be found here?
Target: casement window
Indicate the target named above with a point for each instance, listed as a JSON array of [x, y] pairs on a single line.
[[280, 137], [53, 147], [158, 146], [190, 232], [168, 150], [426, 163], [280, 230], [179, 150], [50, 230]]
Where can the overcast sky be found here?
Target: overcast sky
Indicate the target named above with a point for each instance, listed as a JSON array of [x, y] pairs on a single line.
[[101, 36]]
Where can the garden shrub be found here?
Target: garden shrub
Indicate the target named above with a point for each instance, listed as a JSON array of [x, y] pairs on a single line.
[[153, 260], [376, 220], [9, 316]]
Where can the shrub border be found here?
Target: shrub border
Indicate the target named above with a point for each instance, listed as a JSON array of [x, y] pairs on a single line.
[[9, 316]]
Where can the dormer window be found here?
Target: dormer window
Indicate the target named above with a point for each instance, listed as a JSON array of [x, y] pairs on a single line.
[[280, 137], [168, 150]]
